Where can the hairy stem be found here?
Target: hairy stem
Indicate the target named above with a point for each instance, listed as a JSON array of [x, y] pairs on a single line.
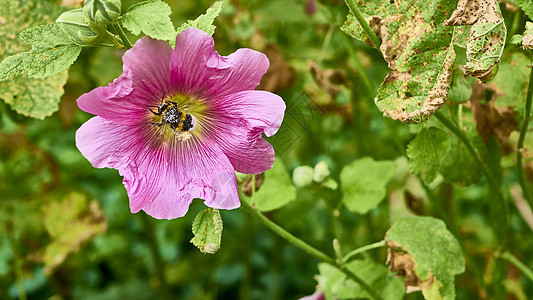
[[521, 139], [352, 254], [306, 247], [357, 14]]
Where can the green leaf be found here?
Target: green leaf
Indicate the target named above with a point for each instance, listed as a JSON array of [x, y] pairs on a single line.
[[152, 18], [434, 250], [487, 36], [459, 166], [35, 98], [526, 6], [427, 152], [363, 183], [12, 66], [52, 53], [207, 229], [70, 222], [461, 88], [205, 22], [277, 189], [516, 39], [419, 52], [336, 285]]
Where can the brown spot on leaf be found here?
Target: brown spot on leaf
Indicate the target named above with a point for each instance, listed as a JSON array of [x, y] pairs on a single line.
[[436, 96], [280, 75], [527, 41], [486, 13], [498, 121], [403, 264]]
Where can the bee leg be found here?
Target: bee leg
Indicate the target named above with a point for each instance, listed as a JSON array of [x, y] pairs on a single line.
[[158, 124], [155, 113]]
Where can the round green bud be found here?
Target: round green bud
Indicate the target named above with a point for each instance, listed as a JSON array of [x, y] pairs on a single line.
[[302, 176], [100, 13], [72, 23], [321, 171]]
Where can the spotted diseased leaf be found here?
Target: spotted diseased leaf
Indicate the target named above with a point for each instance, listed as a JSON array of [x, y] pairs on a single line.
[[31, 97], [36, 98], [207, 230], [205, 22], [419, 52], [70, 223], [427, 152], [427, 254], [487, 36], [363, 183], [152, 18], [52, 52]]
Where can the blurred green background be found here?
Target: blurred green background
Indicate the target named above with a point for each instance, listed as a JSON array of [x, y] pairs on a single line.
[[67, 232]]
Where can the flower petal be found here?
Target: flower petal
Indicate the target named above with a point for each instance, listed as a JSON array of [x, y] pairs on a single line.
[[108, 144], [196, 68], [243, 118], [144, 81], [195, 171]]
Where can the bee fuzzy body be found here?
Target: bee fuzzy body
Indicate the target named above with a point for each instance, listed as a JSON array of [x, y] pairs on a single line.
[[180, 122]]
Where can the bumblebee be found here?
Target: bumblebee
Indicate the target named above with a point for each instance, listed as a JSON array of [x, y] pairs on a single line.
[[180, 122]]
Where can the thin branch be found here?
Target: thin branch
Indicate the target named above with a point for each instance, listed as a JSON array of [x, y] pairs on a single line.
[[521, 266], [352, 254], [359, 16], [306, 247]]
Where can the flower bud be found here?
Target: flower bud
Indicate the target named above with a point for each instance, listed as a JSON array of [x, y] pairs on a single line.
[[99, 13], [302, 176], [72, 23], [320, 172]]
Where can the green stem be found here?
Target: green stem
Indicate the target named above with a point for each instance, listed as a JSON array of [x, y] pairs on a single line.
[[306, 247], [114, 39], [357, 14], [122, 36], [352, 254], [520, 265], [460, 134], [521, 139]]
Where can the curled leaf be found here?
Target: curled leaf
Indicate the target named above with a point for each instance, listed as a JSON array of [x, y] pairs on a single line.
[[487, 36]]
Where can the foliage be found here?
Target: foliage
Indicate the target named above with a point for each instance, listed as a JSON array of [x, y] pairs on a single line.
[[435, 210]]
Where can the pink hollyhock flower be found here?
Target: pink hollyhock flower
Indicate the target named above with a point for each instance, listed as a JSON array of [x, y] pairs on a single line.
[[178, 123]]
